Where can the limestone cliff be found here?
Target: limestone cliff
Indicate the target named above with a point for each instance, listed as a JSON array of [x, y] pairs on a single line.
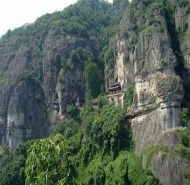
[[151, 53], [42, 64], [37, 80]]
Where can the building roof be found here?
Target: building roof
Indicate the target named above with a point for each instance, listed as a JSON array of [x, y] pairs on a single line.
[[115, 84]]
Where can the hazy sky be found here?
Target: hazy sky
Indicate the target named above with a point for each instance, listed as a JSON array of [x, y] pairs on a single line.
[[15, 13]]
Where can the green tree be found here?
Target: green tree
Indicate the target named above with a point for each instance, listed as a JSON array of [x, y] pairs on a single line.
[[12, 164], [72, 111], [48, 163], [93, 79]]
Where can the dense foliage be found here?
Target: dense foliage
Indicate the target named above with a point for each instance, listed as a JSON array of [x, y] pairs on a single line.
[[128, 99], [183, 150], [94, 146], [107, 155], [185, 116], [48, 163], [89, 23], [98, 151], [12, 164]]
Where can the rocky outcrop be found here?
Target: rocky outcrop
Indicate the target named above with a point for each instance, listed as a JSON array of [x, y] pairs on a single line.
[[26, 115], [158, 90], [146, 55], [32, 78], [182, 22], [50, 55], [148, 60], [45, 68], [64, 84], [161, 162]]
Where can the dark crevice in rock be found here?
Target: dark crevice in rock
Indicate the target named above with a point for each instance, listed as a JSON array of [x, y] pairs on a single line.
[[175, 44], [174, 40]]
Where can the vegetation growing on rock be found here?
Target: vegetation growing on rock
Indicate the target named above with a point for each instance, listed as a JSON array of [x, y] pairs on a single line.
[[67, 56], [98, 151]]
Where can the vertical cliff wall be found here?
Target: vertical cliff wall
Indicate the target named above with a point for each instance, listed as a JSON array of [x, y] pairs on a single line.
[[151, 51], [38, 79]]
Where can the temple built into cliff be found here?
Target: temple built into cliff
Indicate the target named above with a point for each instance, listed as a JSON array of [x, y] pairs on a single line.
[[114, 89], [116, 94]]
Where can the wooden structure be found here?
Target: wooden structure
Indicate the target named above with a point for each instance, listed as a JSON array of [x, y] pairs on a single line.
[[114, 89], [115, 94]]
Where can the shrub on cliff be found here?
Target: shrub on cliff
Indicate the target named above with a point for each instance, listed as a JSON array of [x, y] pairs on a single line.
[[185, 117], [128, 98]]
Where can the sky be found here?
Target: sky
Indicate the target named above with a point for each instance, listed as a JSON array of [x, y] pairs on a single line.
[[15, 13]]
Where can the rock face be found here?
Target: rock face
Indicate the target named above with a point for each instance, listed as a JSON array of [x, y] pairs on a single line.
[[63, 84], [41, 72], [26, 114], [146, 55], [150, 64], [25, 98], [160, 167], [37, 73], [42, 65], [158, 90]]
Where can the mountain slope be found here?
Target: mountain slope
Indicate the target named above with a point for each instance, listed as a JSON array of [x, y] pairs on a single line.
[[44, 62], [52, 65]]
